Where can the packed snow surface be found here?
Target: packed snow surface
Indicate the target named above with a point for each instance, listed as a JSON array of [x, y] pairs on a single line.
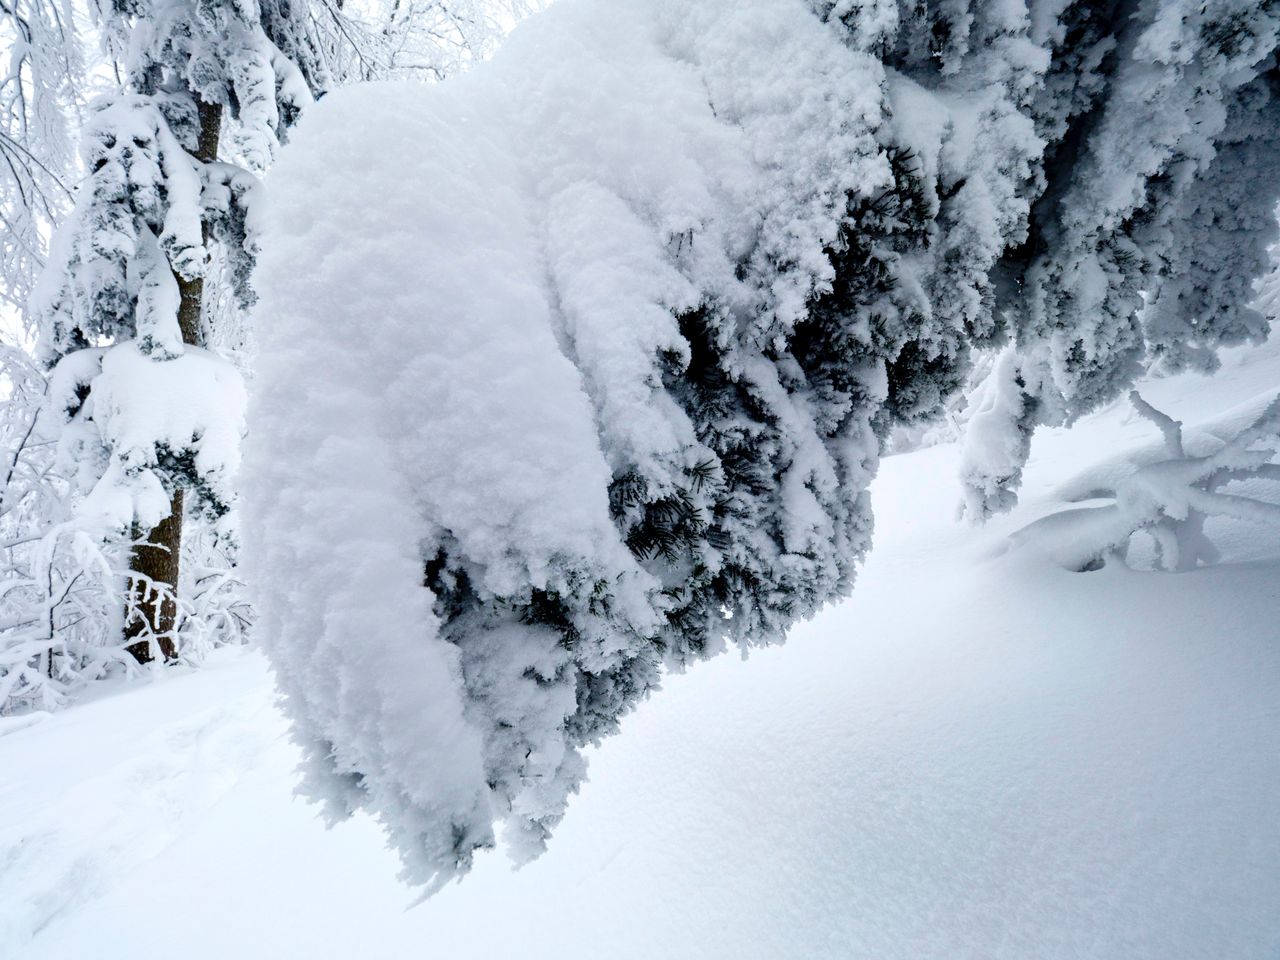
[[980, 755]]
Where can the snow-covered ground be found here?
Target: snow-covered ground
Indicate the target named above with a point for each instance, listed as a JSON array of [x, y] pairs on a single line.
[[979, 755]]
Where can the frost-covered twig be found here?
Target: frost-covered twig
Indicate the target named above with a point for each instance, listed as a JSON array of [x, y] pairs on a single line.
[[41, 88], [1169, 427]]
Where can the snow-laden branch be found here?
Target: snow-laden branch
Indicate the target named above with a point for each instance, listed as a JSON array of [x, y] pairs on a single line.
[[1170, 499]]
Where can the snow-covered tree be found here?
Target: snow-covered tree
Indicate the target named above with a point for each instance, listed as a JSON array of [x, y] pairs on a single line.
[[614, 330], [120, 307], [41, 92], [1155, 206], [435, 39]]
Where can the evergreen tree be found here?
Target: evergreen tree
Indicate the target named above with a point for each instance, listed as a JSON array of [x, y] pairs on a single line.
[[129, 266], [1154, 213], [628, 351]]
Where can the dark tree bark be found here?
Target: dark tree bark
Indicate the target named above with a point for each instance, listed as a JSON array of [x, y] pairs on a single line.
[[157, 561]]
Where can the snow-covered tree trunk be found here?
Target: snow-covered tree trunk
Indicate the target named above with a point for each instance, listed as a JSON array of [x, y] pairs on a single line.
[[151, 607], [191, 289]]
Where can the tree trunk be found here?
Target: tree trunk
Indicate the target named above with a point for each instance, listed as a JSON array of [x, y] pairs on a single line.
[[150, 614], [158, 559]]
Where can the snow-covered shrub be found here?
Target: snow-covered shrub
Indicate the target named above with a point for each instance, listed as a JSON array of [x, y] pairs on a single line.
[[61, 613], [996, 438], [65, 595], [580, 368], [1168, 499]]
